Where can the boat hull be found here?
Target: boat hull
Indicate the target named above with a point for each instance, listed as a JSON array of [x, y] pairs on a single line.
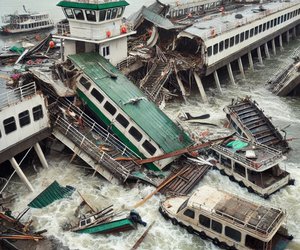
[[5, 31]]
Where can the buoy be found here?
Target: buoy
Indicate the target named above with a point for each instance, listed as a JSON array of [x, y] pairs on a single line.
[[51, 44], [108, 33], [123, 29]]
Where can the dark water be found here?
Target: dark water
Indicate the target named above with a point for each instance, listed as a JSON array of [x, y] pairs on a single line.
[[284, 111]]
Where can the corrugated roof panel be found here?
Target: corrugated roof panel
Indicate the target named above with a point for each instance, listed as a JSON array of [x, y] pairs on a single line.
[[159, 127]]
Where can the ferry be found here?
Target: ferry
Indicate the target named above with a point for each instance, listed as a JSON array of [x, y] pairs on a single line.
[[252, 165], [249, 120], [231, 222], [25, 22]]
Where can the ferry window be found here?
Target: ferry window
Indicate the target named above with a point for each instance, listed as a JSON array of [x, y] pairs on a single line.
[[108, 14], [242, 36], [82, 223], [85, 83], [216, 226], [37, 112], [285, 17], [238, 168], [246, 34], [253, 243], [226, 43], [122, 120], [225, 161], [189, 213], [268, 25], [114, 13], [260, 28], [264, 26], [135, 133], [9, 125], [120, 12], [110, 108], [88, 221], [216, 49], [275, 22], [237, 39], [24, 118], [281, 19], [231, 41], [149, 147], [278, 20], [221, 46], [256, 30], [79, 14], [97, 95], [90, 15], [102, 15], [209, 51], [204, 221], [105, 51], [251, 32], [271, 24], [233, 234]]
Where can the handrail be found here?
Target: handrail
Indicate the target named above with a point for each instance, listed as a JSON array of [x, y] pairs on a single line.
[[17, 95]]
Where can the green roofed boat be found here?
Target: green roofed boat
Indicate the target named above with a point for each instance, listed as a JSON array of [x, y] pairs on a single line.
[[125, 109]]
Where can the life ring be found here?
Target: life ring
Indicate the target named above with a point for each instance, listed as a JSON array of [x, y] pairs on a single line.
[[123, 29], [203, 235], [190, 230], [216, 241], [174, 221], [108, 33]]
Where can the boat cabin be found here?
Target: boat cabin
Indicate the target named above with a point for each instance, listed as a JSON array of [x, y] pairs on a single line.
[[230, 221], [252, 165]]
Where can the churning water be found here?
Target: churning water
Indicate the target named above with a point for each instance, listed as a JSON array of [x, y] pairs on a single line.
[[163, 235]]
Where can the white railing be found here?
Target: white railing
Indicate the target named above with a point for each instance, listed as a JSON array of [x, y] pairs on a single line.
[[17, 95], [63, 28]]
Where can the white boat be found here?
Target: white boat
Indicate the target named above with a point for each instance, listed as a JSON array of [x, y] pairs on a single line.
[[25, 22], [230, 221]]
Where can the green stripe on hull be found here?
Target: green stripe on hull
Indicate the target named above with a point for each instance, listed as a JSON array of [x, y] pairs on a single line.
[[114, 226], [88, 6], [116, 131]]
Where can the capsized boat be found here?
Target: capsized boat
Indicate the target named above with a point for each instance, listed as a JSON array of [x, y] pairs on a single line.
[[253, 165], [107, 221], [231, 222], [250, 122]]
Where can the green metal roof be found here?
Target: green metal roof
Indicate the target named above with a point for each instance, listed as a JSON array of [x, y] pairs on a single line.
[[90, 6], [159, 127], [52, 193]]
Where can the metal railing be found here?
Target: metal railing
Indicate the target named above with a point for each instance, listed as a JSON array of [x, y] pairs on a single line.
[[17, 95], [63, 28]]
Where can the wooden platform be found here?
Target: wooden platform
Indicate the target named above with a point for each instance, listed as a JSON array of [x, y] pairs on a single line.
[[185, 182]]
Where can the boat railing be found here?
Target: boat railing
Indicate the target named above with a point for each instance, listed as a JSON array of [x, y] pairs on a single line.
[[89, 147], [126, 62], [17, 95], [98, 130], [222, 28], [63, 28], [274, 156]]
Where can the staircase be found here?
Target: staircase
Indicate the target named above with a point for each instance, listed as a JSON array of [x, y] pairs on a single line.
[[155, 79], [87, 139]]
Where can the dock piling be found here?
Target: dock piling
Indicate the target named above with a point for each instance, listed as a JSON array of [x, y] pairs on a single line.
[[251, 65], [241, 68], [229, 69], [280, 42], [273, 47], [259, 56], [41, 155], [200, 87], [217, 81], [267, 51]]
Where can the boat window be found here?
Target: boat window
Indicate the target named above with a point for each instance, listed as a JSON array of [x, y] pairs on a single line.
[[253, 243], [256, 30], [225, 161], [246, 34], [90, 15], [183, 205], [278, 20], [226, 43], [268, 25], [97, 95], [209, 51], [9, 125], [120, 12], [231, 41], [0, 134], [275, 22], [260, 28], [135, 133], [233, 234], [242, 36], [221, 46], [122, 120], [24, 118], [271, 23], [237, 39], [189, 213], [102, 15], [79, 14], [251, 32], [204, 221], [216, 226], [281, 19], [82, 223], [85, 83], [110, 108], [149, 147], [88, 221], [215, 48], [238, 168], [37, 112], [114, 13], [108, 14], [105, 51]]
